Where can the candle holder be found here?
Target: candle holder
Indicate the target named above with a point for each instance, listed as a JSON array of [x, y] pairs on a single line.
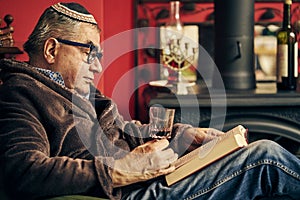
[[176, 51], [178, 58]]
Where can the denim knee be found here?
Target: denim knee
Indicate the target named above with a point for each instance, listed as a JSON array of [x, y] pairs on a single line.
[[266, 146], [270, 150]]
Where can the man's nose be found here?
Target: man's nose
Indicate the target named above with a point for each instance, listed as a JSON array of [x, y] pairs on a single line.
[[96, 66]]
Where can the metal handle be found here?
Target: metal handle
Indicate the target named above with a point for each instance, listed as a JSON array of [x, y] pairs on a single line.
[[239, 47]]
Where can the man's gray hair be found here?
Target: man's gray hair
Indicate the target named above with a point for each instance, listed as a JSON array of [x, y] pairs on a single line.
[[52, 24]]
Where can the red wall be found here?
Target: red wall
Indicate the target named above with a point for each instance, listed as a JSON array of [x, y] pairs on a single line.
[[119, 59]]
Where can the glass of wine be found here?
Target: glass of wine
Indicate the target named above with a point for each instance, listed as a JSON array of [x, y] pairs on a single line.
[[161, 122]]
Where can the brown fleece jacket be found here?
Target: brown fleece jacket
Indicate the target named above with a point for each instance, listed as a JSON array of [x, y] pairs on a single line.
[[54, 142]]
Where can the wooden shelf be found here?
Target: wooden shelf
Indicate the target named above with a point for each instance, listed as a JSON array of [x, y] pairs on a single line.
[[10, 50]]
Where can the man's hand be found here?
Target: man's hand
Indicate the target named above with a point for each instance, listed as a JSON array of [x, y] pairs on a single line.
[[147, 161], [194, 137]]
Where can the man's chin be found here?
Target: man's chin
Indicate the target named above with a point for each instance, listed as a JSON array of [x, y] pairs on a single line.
[[83, 93]]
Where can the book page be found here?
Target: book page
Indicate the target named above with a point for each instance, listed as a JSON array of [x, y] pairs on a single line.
[[204, 149]]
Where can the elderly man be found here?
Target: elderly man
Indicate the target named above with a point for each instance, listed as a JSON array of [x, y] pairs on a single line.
[[60, 136]]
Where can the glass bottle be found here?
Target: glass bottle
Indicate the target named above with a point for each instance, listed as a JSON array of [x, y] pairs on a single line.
[[287, 52], [174, 27], [171, 42]]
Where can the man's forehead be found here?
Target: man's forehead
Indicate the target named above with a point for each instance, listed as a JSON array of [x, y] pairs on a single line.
[[89, 34]]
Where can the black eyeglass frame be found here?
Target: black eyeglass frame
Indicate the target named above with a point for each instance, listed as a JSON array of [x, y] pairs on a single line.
[[93, 53]]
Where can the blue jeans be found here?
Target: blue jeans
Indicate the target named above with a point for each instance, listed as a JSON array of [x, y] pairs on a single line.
[[263, 169]]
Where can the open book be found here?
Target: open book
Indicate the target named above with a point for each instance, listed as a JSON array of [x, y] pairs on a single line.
[[208, 153]]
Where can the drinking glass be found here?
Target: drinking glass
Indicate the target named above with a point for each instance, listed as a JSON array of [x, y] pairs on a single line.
[[161, 122]]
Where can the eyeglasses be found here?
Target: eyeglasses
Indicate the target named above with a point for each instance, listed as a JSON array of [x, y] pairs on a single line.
[[93, 54]]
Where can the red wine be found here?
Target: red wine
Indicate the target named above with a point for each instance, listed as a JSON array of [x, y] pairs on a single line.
[[161, 133]]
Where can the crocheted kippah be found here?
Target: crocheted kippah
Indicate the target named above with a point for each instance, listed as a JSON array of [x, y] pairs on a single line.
[[74, 11]]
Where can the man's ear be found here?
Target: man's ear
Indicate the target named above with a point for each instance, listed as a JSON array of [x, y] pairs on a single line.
[[50, 50]]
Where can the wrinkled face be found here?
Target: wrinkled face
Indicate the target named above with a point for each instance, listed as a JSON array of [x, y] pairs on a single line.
[[71, 61]]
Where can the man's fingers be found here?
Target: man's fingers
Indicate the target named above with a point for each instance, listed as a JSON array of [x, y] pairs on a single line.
[[166, 170], [161, 159], [152, 146], [156, 173], [194, 135], [198, 135], [167, 157], [160, 144], [213, 132], [170, 155]]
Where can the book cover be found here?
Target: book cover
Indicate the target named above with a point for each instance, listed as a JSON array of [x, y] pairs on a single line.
[[208, 153]]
